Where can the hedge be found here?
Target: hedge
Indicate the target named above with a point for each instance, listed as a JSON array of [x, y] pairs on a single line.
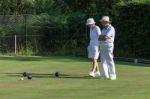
[[133, 30]]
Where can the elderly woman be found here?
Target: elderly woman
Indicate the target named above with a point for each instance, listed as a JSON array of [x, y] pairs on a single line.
[[93, 48]]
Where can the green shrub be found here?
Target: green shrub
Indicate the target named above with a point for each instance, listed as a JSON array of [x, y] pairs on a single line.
[[133, 30]]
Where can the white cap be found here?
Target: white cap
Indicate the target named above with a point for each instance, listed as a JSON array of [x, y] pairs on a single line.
[[105, 18], [90, 21]]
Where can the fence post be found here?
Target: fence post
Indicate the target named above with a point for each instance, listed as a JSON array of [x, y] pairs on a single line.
[[25, 16], [15, 44]]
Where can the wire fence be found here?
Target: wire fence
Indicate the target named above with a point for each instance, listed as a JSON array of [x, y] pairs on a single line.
[[36, 34], [15, 44], [33, 45], [41, 35]]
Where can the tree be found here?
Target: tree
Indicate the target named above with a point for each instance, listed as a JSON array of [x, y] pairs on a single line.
[[14, 7]]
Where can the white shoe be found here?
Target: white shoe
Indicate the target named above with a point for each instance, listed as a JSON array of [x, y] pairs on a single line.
[[97, 74], [113, 78], [92, 74]]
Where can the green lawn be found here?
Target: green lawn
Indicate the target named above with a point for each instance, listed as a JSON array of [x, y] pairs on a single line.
[[133, 80]]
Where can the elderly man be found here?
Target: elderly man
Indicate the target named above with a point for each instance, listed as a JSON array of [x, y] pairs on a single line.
[[106, 47], [93, 48]]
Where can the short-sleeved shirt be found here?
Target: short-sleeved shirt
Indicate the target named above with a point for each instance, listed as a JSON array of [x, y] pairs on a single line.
[[109, 32], [94, 35]]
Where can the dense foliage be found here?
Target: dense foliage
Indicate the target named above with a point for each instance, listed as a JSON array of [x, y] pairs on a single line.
[[61, 24], [133, 30]]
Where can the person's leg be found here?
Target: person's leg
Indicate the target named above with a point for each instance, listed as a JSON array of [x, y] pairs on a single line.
[[97, 50], [94, 68], [105, 74], [95, 55], [110, 62], [94, 65], [97, 72], [90, 55], [97, 67], [92, 73]]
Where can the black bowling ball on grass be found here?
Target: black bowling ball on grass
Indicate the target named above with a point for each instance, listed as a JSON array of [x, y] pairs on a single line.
[[57, 74], [25, 74], [29, 77]]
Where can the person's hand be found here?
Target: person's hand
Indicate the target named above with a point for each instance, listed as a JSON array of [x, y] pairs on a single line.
[[106, 38], [103, 37]]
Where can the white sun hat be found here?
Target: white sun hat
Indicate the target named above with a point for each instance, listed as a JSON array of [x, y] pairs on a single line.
[[105, 18], [90, 21]]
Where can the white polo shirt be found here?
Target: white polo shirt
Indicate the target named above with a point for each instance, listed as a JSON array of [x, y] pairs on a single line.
[[94, 35], [110, 32]]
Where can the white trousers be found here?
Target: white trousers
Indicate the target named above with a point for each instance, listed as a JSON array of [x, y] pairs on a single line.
[[108, 65]]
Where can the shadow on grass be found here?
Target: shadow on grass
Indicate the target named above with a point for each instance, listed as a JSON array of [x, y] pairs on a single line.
[[132, 64], [61, 59], [37, 75], [42, 58]]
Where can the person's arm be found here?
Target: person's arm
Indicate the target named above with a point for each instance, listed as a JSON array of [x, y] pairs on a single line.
[[108, 35], [98, 31], [103, 37]]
